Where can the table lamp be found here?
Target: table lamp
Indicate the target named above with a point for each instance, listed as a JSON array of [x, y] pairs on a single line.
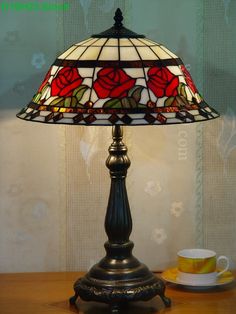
[[118, 78]]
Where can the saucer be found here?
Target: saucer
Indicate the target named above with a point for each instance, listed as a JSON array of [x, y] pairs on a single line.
[[170, 275]]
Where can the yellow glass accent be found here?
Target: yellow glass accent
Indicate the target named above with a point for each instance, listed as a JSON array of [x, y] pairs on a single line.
[[63, 109]]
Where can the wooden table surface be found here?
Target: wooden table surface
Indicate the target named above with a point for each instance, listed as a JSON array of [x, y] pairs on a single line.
[[41, 293]]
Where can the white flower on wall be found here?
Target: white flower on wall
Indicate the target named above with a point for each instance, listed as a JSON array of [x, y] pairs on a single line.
[[12, 36], [39, 210], [159, 235], [152, 187], [14, 189], [177, 209], [38, 60]]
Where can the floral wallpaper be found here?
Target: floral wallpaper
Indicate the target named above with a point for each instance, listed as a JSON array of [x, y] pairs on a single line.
[[54, 183]]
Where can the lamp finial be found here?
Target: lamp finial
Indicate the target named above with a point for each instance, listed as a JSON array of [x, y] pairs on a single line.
[[118, 30], [118, 18]]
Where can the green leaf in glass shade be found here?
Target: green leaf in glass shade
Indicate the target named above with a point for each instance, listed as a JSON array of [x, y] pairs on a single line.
[[57, 102], [79, 92], [129, 102], [169, 101], [79, 105], [44, 88], [67, 102], [74, 101], [113, 103], [141, 106], [181, 90], [135, 92], [180, 101], [37, 97]]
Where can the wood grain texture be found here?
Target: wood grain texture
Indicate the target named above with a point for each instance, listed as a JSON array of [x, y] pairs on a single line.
[[41, 293]]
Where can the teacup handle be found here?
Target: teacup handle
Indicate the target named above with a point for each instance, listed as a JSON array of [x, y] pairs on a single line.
[[220, 258]]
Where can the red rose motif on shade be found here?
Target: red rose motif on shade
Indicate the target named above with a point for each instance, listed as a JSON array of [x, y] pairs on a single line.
[[188, 79], [45, 80], [65, 82], [162, 82], [113, 83]]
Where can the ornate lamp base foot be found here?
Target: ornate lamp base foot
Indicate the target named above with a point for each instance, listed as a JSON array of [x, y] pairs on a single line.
[[111, 283], [116, 296]]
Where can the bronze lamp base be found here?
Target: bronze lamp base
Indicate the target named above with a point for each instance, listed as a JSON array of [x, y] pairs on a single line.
[[119, 277]]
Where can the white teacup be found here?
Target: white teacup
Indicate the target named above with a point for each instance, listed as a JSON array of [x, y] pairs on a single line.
[[199, 266]]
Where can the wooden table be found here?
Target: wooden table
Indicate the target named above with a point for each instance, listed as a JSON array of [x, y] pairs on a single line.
[[40, 293]]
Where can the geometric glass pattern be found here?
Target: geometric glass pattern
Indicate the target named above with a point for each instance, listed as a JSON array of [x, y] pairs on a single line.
[[124, 80]]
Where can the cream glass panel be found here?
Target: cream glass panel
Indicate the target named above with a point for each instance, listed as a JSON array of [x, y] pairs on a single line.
[[175, 70], [85, 41], [86, 72], [109, 53], [112, 42], [88, 42], [141, 82], [94, 96], [125, 42], [162, 54], [138, 72], [148, 42], [54, 69], [137, 42], [129, 54], [91, 53], [76, 54], [67, 52], [87, 81], [100, 42], [146, 53], [169, 52]]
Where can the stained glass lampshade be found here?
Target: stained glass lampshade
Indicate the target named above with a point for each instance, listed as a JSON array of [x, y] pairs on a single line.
[[118, 78]]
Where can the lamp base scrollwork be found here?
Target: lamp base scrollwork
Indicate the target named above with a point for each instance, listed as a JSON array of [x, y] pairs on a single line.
[[119, 281], [117, 296]]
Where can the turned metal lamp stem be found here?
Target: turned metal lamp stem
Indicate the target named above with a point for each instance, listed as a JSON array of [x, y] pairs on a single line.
[[118, 221]]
